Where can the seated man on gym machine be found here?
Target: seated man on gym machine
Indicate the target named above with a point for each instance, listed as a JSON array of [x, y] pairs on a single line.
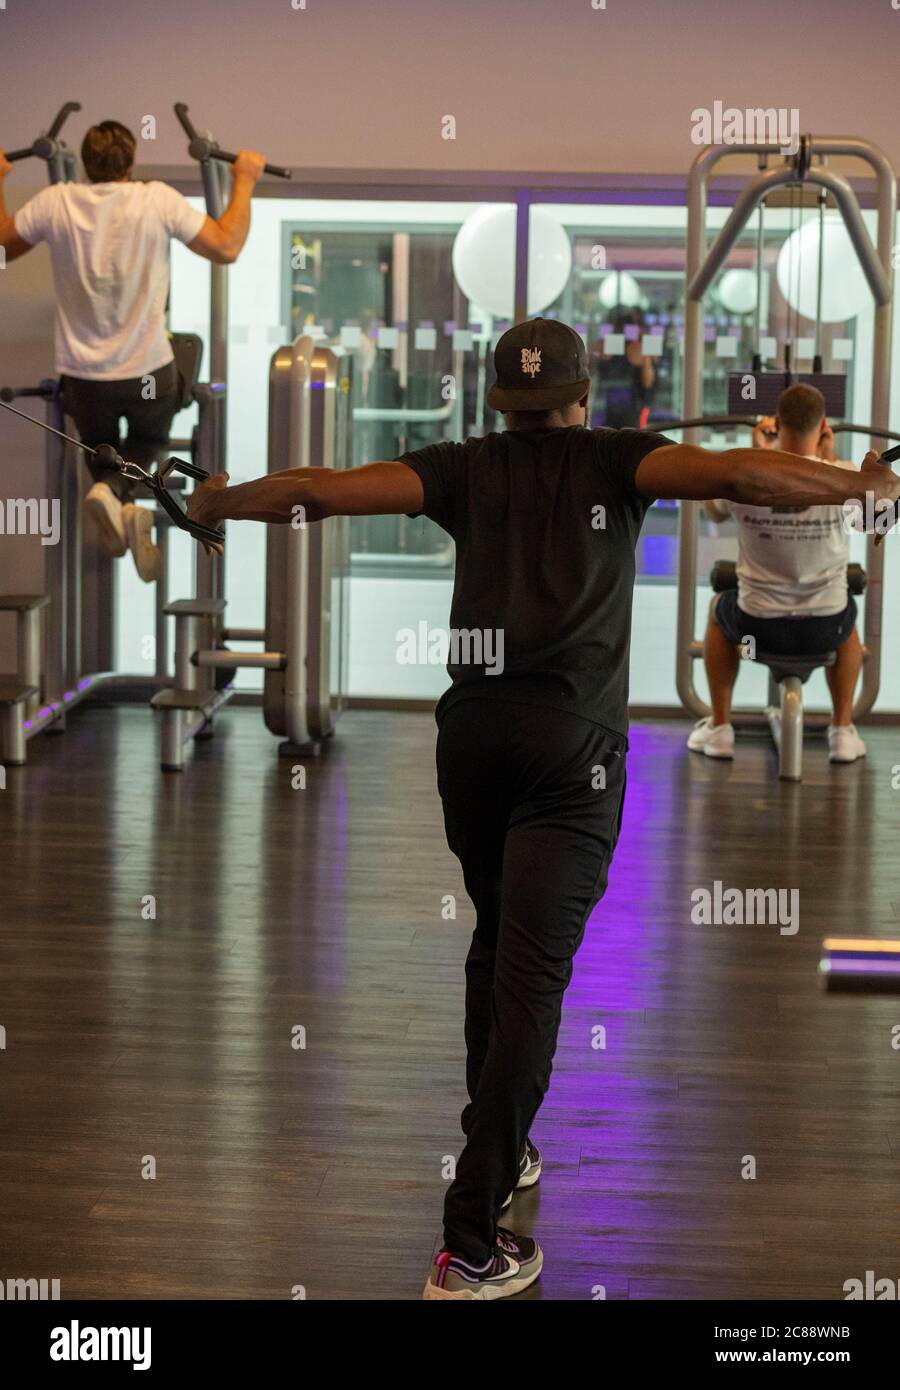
[[792, 596], [109, 242]]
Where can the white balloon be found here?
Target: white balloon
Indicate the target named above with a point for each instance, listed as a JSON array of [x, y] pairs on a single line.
[[845, 290], [619, 287], [737, 291], [484, 254]]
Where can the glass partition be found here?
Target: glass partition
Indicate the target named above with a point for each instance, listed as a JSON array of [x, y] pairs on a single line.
[[417, 291], [377, 278]]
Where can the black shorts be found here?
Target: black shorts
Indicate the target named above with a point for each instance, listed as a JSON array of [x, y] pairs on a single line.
[[785, 636]]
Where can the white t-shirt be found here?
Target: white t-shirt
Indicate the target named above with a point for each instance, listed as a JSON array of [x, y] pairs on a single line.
[[110, 248], [791, 561]]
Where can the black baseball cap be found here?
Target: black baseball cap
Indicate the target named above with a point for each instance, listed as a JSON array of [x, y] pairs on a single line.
[[541, 364]]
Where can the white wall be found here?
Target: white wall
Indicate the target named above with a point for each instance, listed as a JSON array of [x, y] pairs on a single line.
[[532, 84]]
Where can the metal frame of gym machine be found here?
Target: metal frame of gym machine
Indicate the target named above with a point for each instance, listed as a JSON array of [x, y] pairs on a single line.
[[304, 654], [303, 640], [189, 704], [702, 264]]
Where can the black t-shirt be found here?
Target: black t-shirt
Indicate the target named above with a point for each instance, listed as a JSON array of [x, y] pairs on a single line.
[[545, 526]]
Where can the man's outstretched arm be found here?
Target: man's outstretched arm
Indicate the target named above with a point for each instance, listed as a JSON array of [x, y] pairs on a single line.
[[376, 489], [761, 478]]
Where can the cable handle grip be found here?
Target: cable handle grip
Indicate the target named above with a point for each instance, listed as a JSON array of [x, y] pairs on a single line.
[[14, 156], [891, 456], [108, 457], [181, 518], [192, 470], [177, 465]]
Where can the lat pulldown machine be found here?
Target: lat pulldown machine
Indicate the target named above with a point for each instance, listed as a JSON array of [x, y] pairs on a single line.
[[808, 165]]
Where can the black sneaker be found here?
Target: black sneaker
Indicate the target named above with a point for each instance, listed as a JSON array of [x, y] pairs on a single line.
[[529, 1170], [516, 1264]]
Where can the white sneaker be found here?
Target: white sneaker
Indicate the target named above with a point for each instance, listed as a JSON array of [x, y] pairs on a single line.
[[138, 522], [715, 740], [844, 744], [104, 507]]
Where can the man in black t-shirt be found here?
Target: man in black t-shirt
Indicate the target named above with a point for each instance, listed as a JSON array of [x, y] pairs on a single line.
[[533, 730]]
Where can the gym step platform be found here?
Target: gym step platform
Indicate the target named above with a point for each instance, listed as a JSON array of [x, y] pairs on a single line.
[[13, 694], [195, 607], [22, 603], [174, 698]]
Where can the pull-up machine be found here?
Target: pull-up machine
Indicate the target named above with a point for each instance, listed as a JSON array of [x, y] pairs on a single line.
[[36, 698], [703, 263]]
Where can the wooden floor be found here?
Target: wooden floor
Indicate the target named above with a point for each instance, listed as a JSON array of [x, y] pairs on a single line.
[[321, 908]]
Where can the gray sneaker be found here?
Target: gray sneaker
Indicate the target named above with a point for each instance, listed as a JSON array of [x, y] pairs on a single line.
[[516, 1264], [529, 1170]]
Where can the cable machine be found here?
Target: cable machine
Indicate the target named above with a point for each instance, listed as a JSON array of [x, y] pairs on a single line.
[[807, 166]]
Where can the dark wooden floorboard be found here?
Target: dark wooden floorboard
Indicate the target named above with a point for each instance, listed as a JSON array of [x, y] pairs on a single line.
[[321, 1166]]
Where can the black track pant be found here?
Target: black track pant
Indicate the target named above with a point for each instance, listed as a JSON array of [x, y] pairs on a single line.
[[532, 803], [98, 407]]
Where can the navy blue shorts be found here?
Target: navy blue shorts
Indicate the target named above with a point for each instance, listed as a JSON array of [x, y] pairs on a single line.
[[785, 636]]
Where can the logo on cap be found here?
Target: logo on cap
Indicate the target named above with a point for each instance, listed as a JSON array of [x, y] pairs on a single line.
[[531, 361]]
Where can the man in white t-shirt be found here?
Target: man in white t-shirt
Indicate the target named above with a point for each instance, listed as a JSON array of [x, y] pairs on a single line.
[[109, 242], [792, 596]]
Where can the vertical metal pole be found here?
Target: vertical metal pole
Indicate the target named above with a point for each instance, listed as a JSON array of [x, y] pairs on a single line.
[[693, 406], [185, 644], [161, 599], [56, 563], [28, 653], [106, 610], [817, 350], [400, 306], [881, 399], [172, 751], [760, 251], [210, 569], [790, 748], [296, 601], [523, 238], [12, 736]]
